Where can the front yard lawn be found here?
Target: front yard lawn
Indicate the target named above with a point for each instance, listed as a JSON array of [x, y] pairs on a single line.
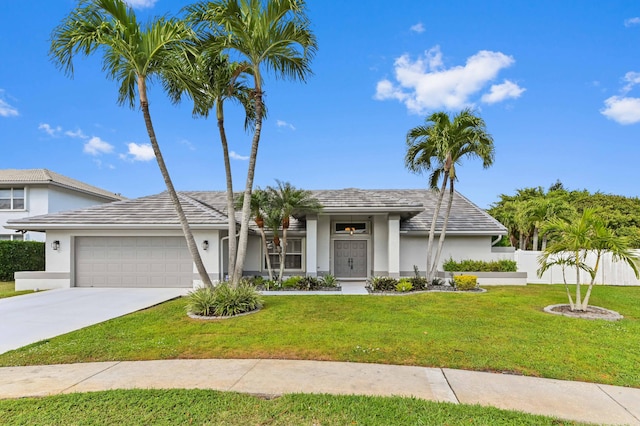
[[503, 330], [7, 289], [204, 407]]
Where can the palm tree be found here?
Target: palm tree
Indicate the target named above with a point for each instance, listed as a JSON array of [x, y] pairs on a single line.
[[437, 147], [209, 78], [574, 239], [260, 211], [132, 54], [271, 35], [289, 201]]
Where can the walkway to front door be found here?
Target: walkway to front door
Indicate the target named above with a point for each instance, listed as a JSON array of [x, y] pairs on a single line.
[[350, 258]]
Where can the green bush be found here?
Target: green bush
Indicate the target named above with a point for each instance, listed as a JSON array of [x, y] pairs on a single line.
[[469, 265], [291, 282], [465, 282], [20, 256], [224, 300], [404, 285], [383, 283], [308, 283], [329, 281], [419, 283]]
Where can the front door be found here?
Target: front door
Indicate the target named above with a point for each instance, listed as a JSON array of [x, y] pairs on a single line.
[[350, 258]]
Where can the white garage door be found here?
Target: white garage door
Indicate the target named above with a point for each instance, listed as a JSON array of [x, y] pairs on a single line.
[[132, 262]]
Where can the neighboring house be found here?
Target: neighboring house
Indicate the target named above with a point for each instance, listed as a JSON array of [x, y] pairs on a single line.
[[358, 234], [40, 191]]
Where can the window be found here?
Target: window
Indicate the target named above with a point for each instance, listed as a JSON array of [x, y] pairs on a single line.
[[14, 237], [293, 260], [351, 228], [12, 199]]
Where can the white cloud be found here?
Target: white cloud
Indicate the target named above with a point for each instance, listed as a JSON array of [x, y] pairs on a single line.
[[632, 78], [281, 123], [425, 84], [417, 28], [188, 144], [96, 146], [51, 131], [500, 92], [77, 134], [141, 4], [7, 110], [237, 156], [622, 110], [138, 152], [631, 21]]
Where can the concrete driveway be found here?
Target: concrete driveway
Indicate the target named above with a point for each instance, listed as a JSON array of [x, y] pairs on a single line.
[[33, 317]]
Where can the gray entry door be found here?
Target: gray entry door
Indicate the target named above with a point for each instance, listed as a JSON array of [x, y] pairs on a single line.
[[350, 258]]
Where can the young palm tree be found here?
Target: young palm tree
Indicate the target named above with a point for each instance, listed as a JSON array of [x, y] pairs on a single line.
[[438, 146], [577, 237], [132, 54], [271, 35], [290, 200], [209, 79], [260, 211]]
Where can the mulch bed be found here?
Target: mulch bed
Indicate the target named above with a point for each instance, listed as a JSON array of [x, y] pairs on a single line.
[[592, 312]]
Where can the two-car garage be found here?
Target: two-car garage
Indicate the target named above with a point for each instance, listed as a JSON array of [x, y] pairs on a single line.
[[122, 261]]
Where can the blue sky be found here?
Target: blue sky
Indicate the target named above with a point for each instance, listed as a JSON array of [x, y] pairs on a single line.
[[557, 82]]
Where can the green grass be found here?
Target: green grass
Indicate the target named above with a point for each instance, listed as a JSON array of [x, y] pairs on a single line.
[[7, 289], [503, 330], [203, 407]]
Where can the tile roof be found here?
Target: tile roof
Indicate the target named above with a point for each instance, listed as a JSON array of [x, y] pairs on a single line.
[[415, 207], [44, 176]]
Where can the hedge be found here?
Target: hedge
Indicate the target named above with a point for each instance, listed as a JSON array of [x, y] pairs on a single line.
[[469, 265], [20, 256]]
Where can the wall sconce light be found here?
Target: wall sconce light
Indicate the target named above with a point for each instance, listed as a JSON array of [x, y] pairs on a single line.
[[55, 245], [205, 245]]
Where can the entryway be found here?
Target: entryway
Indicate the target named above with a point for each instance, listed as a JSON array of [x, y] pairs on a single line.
[[350, 258]]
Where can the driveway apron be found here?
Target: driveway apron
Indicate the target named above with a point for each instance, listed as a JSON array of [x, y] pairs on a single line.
[[33, 317]]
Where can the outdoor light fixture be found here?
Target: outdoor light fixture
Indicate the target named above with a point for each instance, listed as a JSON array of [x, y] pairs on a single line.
[[55, 245], [205, 245], [350, 230]]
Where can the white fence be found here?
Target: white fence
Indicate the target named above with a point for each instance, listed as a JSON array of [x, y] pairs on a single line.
[[609, 272]]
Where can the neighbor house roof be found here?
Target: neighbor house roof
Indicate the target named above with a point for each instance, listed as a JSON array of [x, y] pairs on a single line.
[[208, 209], [47, 177]]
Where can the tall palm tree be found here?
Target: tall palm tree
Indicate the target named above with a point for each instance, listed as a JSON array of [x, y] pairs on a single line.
[[271, 35], [132, 54], [574, 239], [289, 200], [209, 79], [438, 146]]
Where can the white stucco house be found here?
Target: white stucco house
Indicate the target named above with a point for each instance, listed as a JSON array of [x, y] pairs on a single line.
[[358, 234], [34, 192]]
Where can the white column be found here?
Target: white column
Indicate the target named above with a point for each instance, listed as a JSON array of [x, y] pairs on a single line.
[[394, 246], [312, 246]]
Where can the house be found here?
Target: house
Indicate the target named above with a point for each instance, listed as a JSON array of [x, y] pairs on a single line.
[[40, 191], [358, 234]]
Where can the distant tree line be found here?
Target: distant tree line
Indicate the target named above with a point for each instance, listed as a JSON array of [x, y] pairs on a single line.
[[525, 213]]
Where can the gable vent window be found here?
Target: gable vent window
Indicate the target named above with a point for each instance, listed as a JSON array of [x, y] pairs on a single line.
[[12, 199]]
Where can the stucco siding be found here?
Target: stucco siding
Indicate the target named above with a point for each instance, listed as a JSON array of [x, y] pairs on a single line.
[[380, 245], [61, 199]]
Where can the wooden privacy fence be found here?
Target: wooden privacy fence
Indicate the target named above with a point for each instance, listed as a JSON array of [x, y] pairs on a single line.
[[609, 271]]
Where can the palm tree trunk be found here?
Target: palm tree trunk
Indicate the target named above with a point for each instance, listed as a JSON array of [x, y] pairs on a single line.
[[283, 252], [535, 238], [585, 302], [231, 211], [434, 267], [432, 230], [266, 252], [544, 243], [246, 205], [578, 302], [191, 244]]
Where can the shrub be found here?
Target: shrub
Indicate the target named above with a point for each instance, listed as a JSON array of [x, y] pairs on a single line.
[[20, 256], [224, 300], [383, 283], [404, 285], [291, 282], [465, 282], [469, 265], [308, 283], [419, 283], [437, 281], [329, 281]]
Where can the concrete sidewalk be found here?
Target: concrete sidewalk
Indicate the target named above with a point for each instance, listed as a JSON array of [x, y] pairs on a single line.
[[588, 402]]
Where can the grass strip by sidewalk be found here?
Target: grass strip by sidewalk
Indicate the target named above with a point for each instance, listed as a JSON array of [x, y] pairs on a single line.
[[204, 407], [503, 330]]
